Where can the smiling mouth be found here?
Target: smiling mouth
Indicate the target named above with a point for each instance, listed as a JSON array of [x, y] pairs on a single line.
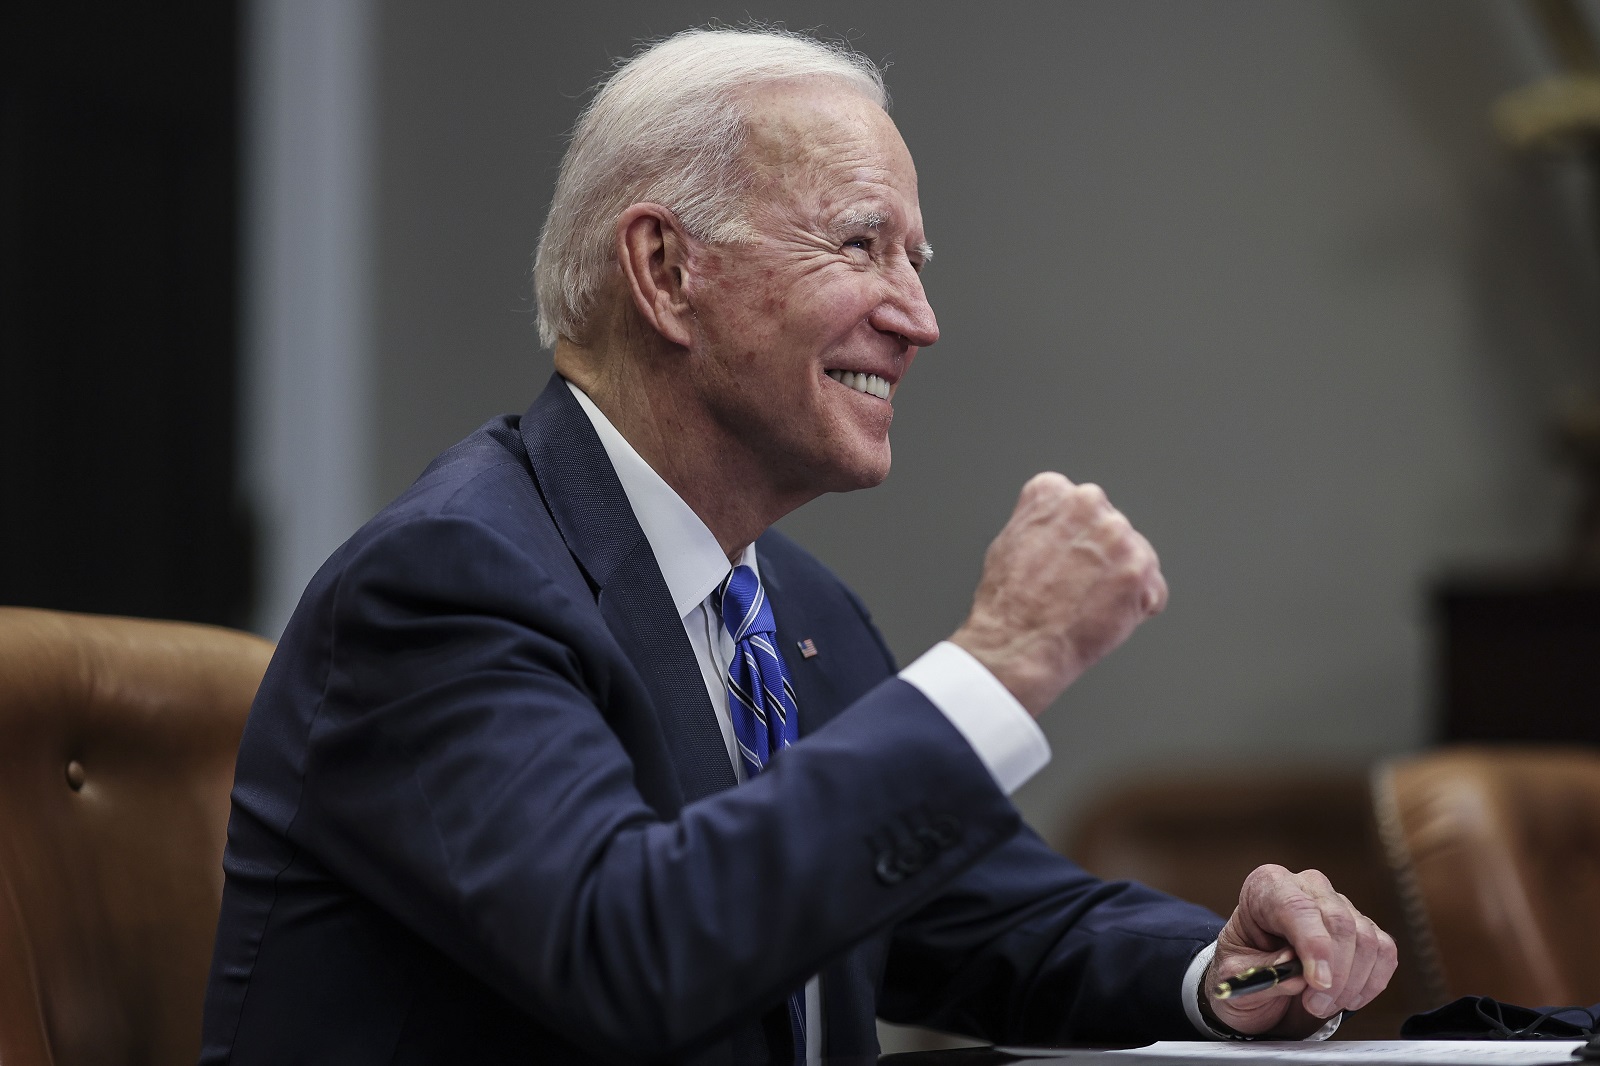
[[871, 384]]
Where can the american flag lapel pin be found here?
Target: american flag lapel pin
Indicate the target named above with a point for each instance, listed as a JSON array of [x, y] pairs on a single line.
[[808, 648]]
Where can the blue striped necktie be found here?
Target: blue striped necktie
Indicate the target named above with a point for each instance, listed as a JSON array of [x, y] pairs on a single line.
[[761, 703]]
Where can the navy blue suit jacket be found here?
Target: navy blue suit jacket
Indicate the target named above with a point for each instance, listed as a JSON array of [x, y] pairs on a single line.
[[483, 813]]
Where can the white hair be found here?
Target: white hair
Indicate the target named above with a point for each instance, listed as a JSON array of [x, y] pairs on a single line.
[[668, 128]]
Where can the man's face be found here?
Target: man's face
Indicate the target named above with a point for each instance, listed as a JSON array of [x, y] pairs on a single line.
[[828, 290]]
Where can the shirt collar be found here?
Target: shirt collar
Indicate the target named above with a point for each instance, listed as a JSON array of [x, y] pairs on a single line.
[[687, 551]]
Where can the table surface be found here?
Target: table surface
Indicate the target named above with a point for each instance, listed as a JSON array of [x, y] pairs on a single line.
[[1372, 1053]]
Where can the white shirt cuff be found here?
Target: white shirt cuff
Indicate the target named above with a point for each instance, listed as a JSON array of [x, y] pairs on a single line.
[[1003, 734], [1191, 1000]]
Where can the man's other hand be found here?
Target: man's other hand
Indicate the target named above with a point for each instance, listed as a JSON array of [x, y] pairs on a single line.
[[1347, 960], [1063, 584]]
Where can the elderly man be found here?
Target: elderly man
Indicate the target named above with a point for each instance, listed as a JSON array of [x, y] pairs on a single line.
[[565, 757]]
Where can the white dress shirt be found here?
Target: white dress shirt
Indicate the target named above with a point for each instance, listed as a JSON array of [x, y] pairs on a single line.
[[1001, 732]]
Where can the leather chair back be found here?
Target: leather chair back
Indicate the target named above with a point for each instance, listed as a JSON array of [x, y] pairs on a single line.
[[1497, 853], [117, 746]]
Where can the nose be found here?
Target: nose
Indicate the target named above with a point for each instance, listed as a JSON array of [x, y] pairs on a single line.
[[906, 311]]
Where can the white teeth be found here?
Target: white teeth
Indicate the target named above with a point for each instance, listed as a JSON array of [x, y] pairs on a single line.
[[871, 384]]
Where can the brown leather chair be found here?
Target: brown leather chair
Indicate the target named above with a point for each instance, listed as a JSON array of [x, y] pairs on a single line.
[[1198, 833], [1497, 852], [117, 744]]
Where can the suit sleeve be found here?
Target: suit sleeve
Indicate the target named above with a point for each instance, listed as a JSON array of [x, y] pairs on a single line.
[[461, 772], [1027, 947]]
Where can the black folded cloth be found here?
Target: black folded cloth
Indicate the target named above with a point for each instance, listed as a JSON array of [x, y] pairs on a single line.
[[1482, 1018]]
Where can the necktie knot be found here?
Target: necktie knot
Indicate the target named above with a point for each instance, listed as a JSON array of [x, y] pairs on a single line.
[[745, 610]]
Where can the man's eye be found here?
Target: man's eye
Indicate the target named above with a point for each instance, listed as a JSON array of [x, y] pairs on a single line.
[[864, 243]]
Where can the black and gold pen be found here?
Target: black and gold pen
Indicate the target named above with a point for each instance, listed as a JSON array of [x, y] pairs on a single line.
[[1257, 979]]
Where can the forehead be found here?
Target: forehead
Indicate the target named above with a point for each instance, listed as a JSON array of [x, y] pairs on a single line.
[[820, 147]]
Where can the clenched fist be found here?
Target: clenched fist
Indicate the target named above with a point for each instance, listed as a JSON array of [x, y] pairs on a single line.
[[1065, 582]]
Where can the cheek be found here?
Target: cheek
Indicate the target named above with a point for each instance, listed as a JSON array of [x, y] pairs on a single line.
[[769, 293], [745, 304], [836, 314]]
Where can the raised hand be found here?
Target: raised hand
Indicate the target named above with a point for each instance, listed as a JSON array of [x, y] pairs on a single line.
[[1064, 583]]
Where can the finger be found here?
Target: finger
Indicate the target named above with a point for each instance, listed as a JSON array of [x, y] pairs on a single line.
[[1042, 486], [1358, 946], [1117, 534], [1234, 958], [1258, 1011], [1350, 995], [1386, 958], [1344, 924], [1143, 560], [1155, 594], [1093, 495], [1369, 950], [1296, 915], [1317, 922]]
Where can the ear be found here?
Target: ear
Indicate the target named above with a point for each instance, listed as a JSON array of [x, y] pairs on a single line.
[[652, 250]]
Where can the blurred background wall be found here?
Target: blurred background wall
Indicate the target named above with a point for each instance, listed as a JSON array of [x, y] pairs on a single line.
[[1258, 268]]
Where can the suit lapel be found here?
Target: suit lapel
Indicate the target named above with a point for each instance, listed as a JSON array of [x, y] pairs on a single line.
[[590, 509], [639, 610]]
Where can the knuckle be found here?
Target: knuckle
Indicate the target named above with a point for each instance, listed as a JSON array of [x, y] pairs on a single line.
[[1304, 912], [1117, 526], [1340, 925], [1317, 880], [1047, 482], [1266, 874], [1150, 570]]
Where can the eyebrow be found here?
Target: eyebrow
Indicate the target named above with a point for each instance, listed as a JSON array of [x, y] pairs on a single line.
[[871, 220]]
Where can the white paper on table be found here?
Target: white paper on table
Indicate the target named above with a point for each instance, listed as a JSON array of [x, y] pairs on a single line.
[[1336, 1052]]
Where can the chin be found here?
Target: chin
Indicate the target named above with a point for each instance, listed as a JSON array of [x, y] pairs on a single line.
[[869, 470]]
